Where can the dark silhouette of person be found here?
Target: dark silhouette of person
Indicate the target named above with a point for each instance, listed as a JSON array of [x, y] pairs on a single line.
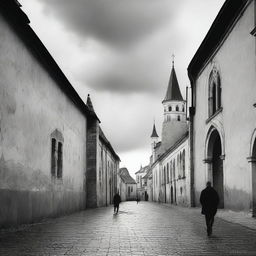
[[137, 199], [209, 200], [116, 200]]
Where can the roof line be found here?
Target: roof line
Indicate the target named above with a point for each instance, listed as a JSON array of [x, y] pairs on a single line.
[[178, 143]]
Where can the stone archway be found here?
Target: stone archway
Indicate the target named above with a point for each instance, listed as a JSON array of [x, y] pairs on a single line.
[[215, 163], [254, 179], [252, 161]]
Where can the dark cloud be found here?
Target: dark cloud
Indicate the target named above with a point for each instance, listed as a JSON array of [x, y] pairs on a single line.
[[120, 23], [123, 76]]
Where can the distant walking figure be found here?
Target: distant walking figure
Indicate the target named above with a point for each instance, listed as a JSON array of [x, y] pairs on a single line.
[[137, 199], [117, 200], [209, 200]]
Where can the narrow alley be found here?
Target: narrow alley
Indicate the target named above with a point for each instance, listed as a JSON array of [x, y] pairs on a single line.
[[139, 229]]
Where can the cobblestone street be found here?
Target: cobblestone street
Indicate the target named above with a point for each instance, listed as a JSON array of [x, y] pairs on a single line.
[[143, 229]]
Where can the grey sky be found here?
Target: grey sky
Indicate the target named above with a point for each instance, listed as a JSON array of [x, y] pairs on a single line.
[[120, 51]]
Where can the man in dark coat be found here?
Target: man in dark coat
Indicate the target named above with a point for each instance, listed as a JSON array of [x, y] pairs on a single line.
[[117, 200], [209, 200]]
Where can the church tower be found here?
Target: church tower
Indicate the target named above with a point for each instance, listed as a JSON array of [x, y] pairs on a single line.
[[154, 139], [175, 123]]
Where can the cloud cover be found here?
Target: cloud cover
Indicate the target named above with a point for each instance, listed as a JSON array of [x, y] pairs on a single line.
[[120, 51], [129, 39], [119, 23]]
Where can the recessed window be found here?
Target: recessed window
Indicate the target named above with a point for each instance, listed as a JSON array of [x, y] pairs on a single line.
[[214, 92], [57, 154], [177, 108], [59, 161], [170, 108], [178, 118]]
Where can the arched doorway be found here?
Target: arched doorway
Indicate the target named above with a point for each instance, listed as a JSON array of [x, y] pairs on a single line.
[[215, 161]]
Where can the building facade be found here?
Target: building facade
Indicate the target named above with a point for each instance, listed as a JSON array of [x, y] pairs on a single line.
[[171, 175], [126, 185], [223, 121], [170, 164], [107, 171], [48, 150], [141, 180]]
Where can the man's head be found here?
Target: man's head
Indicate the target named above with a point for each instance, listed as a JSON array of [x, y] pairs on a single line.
[[208, 184]]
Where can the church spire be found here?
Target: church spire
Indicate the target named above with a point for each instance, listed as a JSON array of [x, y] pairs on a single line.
[[173, 90], [154, 133]]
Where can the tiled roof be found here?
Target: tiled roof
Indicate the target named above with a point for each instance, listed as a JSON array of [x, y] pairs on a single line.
[[125, 176], [142, 169], [148, 174], [173, 90]]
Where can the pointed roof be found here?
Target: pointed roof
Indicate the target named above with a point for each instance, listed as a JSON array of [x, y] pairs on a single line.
[[154, 133], [173, 90], [125, 176], [89, 103], [90, 107]]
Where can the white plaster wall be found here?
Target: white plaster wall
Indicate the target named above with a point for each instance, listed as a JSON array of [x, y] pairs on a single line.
[[184, 183], [31, 107], [235, 60]]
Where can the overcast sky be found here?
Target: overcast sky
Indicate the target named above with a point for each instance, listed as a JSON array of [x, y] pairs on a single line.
[[119, 51]]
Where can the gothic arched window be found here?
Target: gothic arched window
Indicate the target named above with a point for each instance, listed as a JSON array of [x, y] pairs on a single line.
[[214, 92], [183, 163], [171, 176]]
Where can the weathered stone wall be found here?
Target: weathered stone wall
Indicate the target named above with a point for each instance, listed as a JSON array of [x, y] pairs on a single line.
[[32, 106], [235, 61], [92, 164]]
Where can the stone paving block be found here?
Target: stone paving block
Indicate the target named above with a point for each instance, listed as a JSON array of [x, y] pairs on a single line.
[[139, 229]]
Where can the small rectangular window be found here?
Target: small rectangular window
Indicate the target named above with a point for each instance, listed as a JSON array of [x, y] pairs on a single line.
[[59, 163]]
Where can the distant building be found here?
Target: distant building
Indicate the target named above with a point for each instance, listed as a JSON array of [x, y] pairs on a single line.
[[141, 180], [223, 121], [149, 185], [49, 138], [170, 162], [126, 185]]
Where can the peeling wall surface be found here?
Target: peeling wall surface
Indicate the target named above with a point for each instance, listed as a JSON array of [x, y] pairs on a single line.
[[172, 184], [32, 106], [235, 123]]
